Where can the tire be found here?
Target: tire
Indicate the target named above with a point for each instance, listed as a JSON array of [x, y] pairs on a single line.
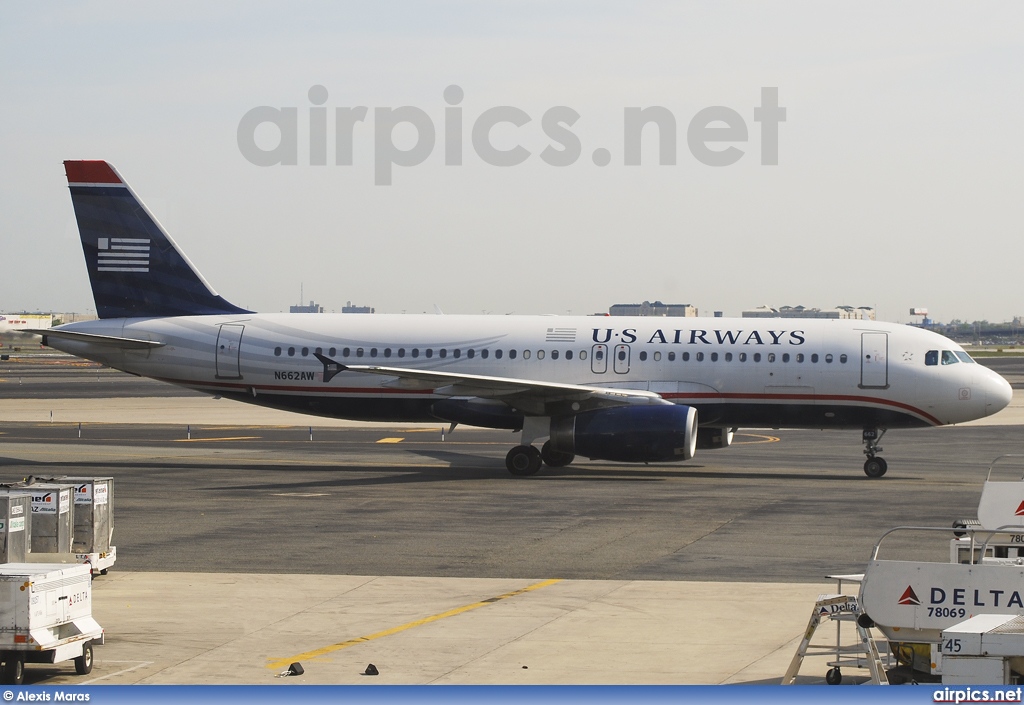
[[83, 664], [553, 458], [834, 676], [13, 670], [875, 467], [522, 461]]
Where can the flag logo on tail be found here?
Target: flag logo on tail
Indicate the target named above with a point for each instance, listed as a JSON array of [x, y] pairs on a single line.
[[1020, 510], [122, 254], [909, 597]]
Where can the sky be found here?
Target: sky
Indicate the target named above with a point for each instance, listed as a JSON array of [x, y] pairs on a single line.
[[897, 182]]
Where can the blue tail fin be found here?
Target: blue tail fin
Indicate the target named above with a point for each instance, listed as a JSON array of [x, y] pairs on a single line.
[[135, 268]]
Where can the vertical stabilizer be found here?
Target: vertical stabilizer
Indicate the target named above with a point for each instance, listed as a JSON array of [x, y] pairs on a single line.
[[135, 268]]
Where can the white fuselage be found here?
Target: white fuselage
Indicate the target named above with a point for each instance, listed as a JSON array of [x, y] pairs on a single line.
[[802, 373]]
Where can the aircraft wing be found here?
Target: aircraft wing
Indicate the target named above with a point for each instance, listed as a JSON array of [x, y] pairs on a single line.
[[528, 395]]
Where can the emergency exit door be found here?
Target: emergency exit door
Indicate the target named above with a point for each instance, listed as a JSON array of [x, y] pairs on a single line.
[[874, 360], [228, 350]]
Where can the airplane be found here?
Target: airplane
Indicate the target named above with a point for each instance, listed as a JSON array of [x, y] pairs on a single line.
[[624, 389]]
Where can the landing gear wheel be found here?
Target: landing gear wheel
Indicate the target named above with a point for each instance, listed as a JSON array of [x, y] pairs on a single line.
[[554, 458], [83, 664], [875, 467], [523, 460], [833, 677], [13, 670]]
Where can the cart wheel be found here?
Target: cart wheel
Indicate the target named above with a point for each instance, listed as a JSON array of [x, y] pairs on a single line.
[[14, 669], [103, 571], [834, 676], [83, 664]]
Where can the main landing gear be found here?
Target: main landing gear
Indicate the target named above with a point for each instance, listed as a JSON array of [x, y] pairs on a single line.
[[874, 466], [527, 460]]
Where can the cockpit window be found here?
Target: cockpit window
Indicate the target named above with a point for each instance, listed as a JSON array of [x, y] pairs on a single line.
[[964, 357], [931, 357], [948, 358]]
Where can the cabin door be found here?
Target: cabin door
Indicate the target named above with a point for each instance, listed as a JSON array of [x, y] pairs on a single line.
[[874, 360], [228, 349]]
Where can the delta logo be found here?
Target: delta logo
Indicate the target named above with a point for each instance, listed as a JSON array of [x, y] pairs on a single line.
[[1020, 510], [909, 597]]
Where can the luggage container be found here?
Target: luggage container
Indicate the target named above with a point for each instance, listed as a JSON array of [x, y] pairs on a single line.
[[52, 517], [15, 515], [93, 520], [46, 617]]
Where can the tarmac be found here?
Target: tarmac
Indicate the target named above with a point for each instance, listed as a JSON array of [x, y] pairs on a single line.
[[247, 624]]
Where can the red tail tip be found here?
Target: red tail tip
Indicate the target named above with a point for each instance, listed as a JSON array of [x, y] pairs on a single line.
[[94, 171]]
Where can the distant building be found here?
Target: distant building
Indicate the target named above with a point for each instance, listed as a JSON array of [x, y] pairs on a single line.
[[34, 321], [312, 308], [862, 313], [349, 308], [653, 309]]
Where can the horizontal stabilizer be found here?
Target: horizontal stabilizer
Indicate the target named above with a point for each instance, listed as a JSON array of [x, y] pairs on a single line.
[[112, 341]]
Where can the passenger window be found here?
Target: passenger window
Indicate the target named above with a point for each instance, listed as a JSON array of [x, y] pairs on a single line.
[[319, 351], [429, 352], [401, 352], [497, 354], [583, 354], [757, 357], [799, 357], [511, 354], [332, 352], [814, 357], [291, 352], [442, 353], [471, 353], [568, 354], [415, 352], [728, 357], [387, 352], [554, 354], [785, 357], [277, 351], [671, 357], [686, 357], [643, 356], [700, 357], [714, 357], [964, 357], [359, 352], [373, 352], [743, 357], [345, 352], [540, 354], [842, 359], [456, 353], [948, 358], [526, 354], [484, 353], [771, 357], [622, 355], [828, 358]]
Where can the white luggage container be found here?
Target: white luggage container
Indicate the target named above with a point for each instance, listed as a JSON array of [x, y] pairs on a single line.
[[46, 617]]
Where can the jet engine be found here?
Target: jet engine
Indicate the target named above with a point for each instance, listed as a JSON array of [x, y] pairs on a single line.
[[628, 434], [709, 438]]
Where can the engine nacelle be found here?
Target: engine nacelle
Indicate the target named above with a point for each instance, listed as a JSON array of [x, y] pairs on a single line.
[[709, 438], [628, 434], [478, 412]]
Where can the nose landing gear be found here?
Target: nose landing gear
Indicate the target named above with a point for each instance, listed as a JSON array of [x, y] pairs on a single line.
[[874, 466]]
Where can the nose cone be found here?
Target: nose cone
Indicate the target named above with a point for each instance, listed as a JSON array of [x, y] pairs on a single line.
[[999, 394]]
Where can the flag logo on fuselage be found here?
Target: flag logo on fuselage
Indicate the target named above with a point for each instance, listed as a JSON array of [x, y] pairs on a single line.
[[122, 254]]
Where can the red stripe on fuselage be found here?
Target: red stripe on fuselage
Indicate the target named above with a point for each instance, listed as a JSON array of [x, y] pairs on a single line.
[[805, 397], [697, 396]]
